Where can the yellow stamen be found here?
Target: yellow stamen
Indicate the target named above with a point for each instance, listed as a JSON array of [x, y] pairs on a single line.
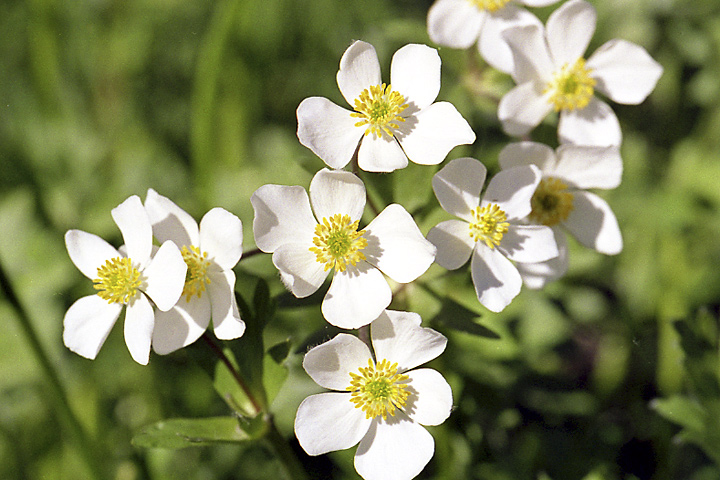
[[551, 202], [571, 87], [118, 280], [489, 5], [196, 277], [338, 243], [379, 107], [490, 224], [378, 390]]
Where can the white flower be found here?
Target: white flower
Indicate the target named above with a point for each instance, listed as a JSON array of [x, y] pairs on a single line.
[[460, 23], [304, 249], [490, 230], [392, 122], [561, 200], [210, 253], [378, 401], [131, 279], [551, 73]]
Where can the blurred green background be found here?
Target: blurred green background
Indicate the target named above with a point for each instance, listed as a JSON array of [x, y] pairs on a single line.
[[609, 373]]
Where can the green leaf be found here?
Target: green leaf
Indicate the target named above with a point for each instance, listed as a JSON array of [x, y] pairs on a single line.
[[682, 411], [274, 371], [229, 389], [461, 318], [191, 432]]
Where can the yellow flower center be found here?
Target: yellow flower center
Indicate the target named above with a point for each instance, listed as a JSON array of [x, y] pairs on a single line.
[[489, 5], [379, 107], [196, 277], [378, 389], [551, 202], [338, 243], [571, 87], [118, 280], [490, 224]]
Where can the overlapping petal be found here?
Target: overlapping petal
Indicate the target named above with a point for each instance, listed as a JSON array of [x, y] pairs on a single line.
[[537, 275], [529, 243], [181, 325], [221, 236], [397, 449], [356, 296], [87, 324], [329, 421], [430, 402], [594, 125], [458, 184], [227, 324], [495, 278], [594, 224], [531, 57], [165, 276], [170, 222], [523, 108], [138, 330], [398, 337], [569, 31], [453, 242], [303, 273], [134, 224], [328, 130], [396, 246], [455, 23], [588, 167], [492, 45], [435, 131], [282, 215], [329, 364], [518, 154], [512, 190]]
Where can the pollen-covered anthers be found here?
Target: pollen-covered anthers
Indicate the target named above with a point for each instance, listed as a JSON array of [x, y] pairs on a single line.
[[572, 87], [338, 242], [551, 203], [490, 224], [379, 107], [118, 280], [196, 277], [489, 5], [378, 389]]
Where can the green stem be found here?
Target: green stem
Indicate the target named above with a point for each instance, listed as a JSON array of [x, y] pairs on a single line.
[[60, 397]]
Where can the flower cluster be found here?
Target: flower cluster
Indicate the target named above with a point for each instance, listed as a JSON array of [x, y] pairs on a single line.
[[510, 230]]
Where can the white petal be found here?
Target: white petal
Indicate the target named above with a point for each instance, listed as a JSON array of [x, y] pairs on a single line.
[[454, 23], [518, 154], [87, 324], [396, 246], [430, 401], [453, 242], [303, 273], [496, 279], [165, 276], [88, 252], [330, 364], [594, 125], [328, 422], [523, 108], [397, 449], [537, 3], [181, 325], [529, 243], [415, 73], [335, 191], [328, 130], [381, 154], [356, 296], [139, 323], [492, 45], [512, 190], [227, 324], [221, 236], [359, 69], [625, 72], [531, 58], [170, 222], [433, 132], [569, 30], [282, 215], [593, 223], [537, 275], [589, 167], [134, 224], [398, 338], [458, 184]]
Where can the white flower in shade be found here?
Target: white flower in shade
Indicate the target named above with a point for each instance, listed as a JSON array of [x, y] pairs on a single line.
[[552, 74], [560, 199], [210, 252], [491, 229], [391, 122], [304, 249], [460, 23], [378, 401], [130, 277]]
